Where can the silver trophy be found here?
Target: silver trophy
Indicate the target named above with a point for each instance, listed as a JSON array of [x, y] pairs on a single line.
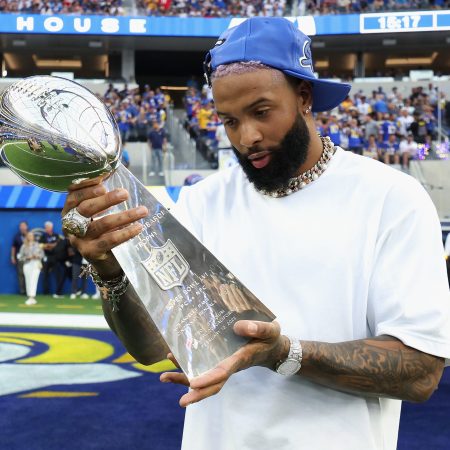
[[54, 132]]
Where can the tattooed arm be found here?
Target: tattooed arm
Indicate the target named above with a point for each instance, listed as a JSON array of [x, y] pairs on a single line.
[[131, 323], [374, 367], [134, 327], [379, 367]]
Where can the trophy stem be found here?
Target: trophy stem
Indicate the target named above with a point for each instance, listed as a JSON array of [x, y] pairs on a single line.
[[192, 298]]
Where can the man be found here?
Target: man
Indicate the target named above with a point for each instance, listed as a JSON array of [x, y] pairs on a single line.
[[364, 328], [390, 150], [408, 150], [49, 240], [157, 140], [18, 240], [403, 122]]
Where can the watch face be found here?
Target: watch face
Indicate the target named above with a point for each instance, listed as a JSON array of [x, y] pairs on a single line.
[[289, 367]]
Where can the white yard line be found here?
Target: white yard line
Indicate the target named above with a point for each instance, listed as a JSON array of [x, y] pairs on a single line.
[[54, 320]]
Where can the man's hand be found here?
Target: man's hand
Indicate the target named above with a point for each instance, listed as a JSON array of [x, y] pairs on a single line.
[[90, 199], [266, 348]]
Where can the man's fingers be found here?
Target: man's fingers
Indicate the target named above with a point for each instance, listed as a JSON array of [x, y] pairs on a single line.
[[174, 377], [97, 248], [87, 183], [220, 373], [256, 329], [92, 206], [115, 221], [75, 197], [196, 395]]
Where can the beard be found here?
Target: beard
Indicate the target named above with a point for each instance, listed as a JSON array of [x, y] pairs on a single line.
[[286, 159]]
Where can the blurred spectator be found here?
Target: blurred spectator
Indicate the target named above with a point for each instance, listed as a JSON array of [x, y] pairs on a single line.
[[31, 255], [390, 150], [18, 240], [334, 131], [49, 240], [125, 158], [408, 150], [355, 133], [371, 148], [79, 285], [403, 122], [157, 139], [418, 128], [221, 137], [370, 126], [62, 267]]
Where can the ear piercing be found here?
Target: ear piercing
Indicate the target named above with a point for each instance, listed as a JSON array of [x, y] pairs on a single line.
[[308, 110]]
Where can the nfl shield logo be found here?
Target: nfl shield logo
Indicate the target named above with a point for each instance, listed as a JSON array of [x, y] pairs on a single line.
[[167, 266]]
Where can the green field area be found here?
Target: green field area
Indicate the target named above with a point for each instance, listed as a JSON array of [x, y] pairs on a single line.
[[46, 304]]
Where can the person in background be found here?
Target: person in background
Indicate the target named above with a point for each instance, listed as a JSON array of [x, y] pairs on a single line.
[[62, 267], [391, 154], [156, 140], [78, 262], [18, 240], [49, 239], [408, 150], [334, 131], [354, 133], [371, 148], [31, 255], [221, 137], [125, 158]]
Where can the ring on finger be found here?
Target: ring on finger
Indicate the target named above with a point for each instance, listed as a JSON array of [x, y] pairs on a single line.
[[75, 223]]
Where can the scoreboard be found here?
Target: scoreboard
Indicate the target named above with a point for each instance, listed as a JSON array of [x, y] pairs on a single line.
[[405, 22], [341, 24]]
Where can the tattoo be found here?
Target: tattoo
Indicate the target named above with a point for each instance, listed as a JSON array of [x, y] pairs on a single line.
[[135, 328], [382, 366]]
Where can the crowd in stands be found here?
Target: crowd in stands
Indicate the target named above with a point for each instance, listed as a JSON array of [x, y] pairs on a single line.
[[319, 7], [101, 7], [213, 8], [137, 111], [218, 8], [386, 126]]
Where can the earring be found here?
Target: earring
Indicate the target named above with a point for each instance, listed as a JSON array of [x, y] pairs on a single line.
[[308, 110]]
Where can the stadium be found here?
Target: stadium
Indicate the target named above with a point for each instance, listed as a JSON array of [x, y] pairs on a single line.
[[66, 379]]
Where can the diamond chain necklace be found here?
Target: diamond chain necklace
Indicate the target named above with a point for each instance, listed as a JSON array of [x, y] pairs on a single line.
[[305, 178]]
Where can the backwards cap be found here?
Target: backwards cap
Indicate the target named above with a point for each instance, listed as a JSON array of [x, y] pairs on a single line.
[[275, 42]]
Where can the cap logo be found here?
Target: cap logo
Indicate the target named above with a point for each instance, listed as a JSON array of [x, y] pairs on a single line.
[[219, 42], [306, 59]]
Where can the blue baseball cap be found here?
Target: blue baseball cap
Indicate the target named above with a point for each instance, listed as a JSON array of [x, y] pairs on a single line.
[[275, 42]]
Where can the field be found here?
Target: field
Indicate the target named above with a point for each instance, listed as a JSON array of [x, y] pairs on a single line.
[[46, 304]]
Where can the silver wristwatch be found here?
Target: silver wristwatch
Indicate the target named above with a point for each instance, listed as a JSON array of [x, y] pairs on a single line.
[[292, 364]]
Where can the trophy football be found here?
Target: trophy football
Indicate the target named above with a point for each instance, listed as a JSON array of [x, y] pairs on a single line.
[[55, 132]]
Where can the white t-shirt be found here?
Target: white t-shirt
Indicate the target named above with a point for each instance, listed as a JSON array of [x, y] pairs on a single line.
[[408, 147], [357, 253], [222, 138]]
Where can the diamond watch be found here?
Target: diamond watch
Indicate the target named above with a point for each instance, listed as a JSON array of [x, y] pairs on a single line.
[[291, 365]]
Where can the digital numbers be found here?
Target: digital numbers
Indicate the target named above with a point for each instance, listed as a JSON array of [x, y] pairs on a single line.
[[399, 22]]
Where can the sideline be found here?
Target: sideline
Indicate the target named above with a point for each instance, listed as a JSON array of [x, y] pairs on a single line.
[[54, 320]]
